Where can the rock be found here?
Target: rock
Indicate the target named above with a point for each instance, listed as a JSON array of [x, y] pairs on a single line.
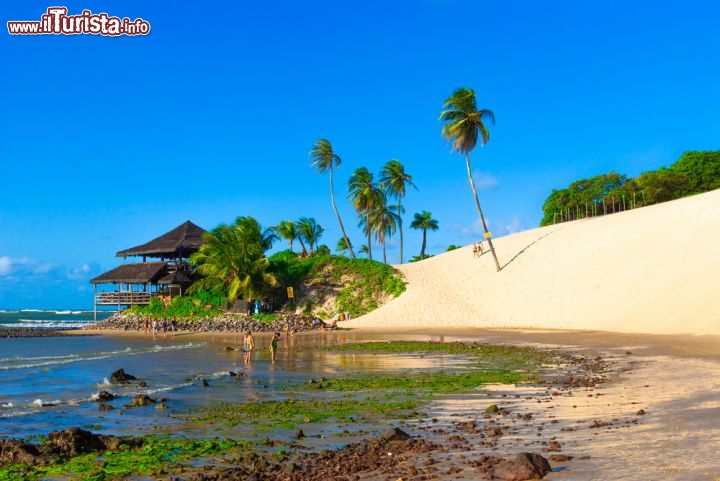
[[395, 434], [142, 384], [161, 406], [104, 407], [74, 441], [103, 396], [205, 383], [525, 466], [13, 451], [120, 376], [141, 400], [299, 434], [492, 409], [641, 412]]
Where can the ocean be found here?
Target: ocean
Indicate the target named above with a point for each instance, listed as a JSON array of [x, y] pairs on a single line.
[[49, 318], [51, 383]]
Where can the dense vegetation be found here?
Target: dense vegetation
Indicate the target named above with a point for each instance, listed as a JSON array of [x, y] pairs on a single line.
[[693, 173], [325, 284]]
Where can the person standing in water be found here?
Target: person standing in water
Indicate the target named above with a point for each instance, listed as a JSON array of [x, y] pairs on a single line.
[[274, 346], [249, 346]]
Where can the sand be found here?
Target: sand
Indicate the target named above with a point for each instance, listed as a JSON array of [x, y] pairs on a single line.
[[653, 270]]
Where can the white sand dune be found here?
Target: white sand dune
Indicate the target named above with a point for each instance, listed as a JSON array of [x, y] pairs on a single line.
[[652, 270]]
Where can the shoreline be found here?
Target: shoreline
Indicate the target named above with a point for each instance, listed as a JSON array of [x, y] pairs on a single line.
[[591, 422]]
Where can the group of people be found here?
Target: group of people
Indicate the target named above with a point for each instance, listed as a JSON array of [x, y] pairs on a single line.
[[478, 249], [155, 326], [249, 345]]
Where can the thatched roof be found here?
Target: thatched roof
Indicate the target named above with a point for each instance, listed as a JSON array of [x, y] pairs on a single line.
[[140, 273], [178, 243]]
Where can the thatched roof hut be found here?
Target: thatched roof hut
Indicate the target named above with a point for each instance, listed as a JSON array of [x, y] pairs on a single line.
[[179, 243], [139, 273], [170, 275]]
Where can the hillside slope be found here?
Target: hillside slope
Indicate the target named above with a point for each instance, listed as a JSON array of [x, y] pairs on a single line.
[[650, 270]]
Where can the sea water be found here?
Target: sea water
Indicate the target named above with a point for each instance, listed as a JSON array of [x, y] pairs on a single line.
[[49, 318], [50, 383]]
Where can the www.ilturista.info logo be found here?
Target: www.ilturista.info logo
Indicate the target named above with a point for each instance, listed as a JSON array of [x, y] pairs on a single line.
[[57, 22]]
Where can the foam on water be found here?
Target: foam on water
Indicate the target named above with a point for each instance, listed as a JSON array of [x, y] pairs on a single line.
[[45, 361]]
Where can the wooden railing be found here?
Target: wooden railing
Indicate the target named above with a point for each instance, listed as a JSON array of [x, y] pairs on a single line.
[[122, 298]]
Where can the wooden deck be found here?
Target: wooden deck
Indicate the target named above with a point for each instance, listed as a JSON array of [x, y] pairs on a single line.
[[122, 298]]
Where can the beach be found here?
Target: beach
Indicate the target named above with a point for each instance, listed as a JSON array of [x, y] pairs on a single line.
[[628, 298]]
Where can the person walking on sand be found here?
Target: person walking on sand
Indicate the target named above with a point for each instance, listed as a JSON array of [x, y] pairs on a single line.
[[248, 347], [274, 346]]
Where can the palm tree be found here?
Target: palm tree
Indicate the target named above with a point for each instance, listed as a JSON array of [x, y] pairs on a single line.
[[266, 237], [424, 221], [287, 230], [324, 158], [463, 128], [232, 260], [310, 230], [383, 222], [394, 180], [343, 245], [364, 195]]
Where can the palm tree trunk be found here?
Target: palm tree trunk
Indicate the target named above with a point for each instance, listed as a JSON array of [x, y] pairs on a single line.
[[367, 219], [302, 244], [384, 253], [337, 214], [482, 217], [422, 249], [400, 229]]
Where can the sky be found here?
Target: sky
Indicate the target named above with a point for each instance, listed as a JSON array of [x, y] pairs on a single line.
[[108, 142]]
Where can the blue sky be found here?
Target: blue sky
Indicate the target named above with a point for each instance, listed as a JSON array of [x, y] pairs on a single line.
[[106, 143]]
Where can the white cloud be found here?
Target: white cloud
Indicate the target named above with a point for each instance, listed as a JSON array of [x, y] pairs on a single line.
[[515, 225], [5, 266], [484, 180]]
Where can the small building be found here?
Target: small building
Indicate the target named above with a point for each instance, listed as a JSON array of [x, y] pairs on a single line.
[[169, 275]]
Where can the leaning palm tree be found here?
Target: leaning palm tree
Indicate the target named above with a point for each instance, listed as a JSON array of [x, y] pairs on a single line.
[[463, 128], [232, 260], [394, 180], [383, 222], [424, 221], [311, 231], [324, 158], [364, 195], [287, 230]]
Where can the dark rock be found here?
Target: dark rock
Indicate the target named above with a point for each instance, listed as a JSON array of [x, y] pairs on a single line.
[[395, 434], [641, 412], [205, 383], [492, 409], [525, 466], [74, 441], [103, 396], [142, 384], [13, 451], [299, 434], [141, 400], [120, 376], [104, 407]]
